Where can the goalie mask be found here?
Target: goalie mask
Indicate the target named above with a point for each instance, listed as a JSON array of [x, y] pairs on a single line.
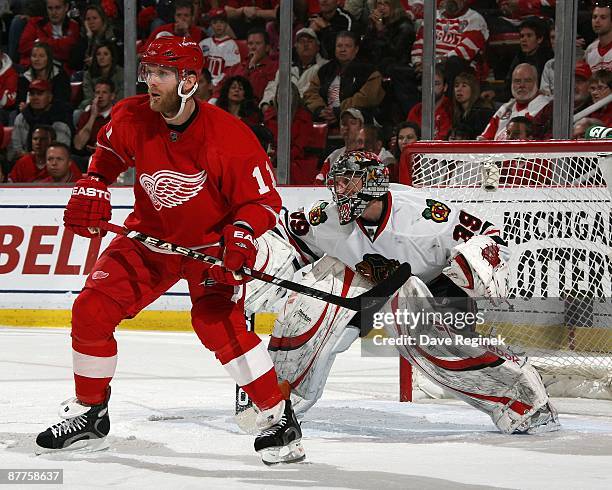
[[355, 179]]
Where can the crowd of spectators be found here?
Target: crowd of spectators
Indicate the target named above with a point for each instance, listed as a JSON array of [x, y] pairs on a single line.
[[356, 74]]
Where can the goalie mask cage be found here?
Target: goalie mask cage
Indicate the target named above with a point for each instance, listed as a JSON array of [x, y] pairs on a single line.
[[553, 200]]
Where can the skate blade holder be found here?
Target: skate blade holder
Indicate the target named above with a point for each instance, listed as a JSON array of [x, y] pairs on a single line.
[[291, 453]]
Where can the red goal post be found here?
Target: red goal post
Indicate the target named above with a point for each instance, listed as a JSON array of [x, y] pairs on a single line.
[[553, 200]]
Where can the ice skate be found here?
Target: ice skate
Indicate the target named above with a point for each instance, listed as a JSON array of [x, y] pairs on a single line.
[[83, 428], [280, 439], [545, 419]]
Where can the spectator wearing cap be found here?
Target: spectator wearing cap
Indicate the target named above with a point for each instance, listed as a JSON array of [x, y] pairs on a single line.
[[535, 48], [598, 54], [220, 50], [183, 25], [41, 109], [527, 102], [351, 122], [60, 168], [8, 86], [542, 123], [304, 65], [259, 68], [328, 22], [343, 83], [57, 30], [443, 112], [43, 67]]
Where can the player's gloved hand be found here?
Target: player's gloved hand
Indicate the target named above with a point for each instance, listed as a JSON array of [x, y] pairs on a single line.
[[239, 251], [88, 205]]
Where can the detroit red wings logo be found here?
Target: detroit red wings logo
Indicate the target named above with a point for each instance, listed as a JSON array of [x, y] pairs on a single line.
[[491, 254], [168, 189]]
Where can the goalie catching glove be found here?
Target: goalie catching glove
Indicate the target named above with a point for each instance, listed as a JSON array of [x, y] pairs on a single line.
[[239, 251], [89, 204], [479, 268]]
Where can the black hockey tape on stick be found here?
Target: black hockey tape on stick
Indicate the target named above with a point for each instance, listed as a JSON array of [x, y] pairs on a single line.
[[369, 302]]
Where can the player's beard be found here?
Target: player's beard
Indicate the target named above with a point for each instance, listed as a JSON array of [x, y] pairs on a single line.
[[168, 104]]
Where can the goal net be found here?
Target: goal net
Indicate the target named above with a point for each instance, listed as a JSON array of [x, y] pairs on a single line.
[[553, 201]]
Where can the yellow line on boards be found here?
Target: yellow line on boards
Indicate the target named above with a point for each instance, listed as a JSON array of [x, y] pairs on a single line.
[[170, 321]]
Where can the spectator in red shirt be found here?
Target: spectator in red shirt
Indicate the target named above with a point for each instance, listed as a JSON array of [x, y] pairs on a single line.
[[183, 25], [259, 68], [60, 168], [94, 118], [443, 115], [57, 30], [524, 172], [31, 167], [303, 165], [8, 86]]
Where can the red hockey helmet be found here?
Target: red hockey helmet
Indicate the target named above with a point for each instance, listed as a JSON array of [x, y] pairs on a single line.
[[176, 52]]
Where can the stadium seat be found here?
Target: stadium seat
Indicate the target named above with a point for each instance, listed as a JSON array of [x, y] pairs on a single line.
[[318, 139], [76, 93], [6, 137]]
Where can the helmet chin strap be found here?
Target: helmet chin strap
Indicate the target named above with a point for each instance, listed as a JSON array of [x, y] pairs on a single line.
[[184, 98]]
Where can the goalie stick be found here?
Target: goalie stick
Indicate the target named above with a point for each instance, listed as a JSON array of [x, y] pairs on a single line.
[[367, 303]]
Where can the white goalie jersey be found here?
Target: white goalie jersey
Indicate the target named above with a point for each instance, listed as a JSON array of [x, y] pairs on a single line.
[[414, 228]]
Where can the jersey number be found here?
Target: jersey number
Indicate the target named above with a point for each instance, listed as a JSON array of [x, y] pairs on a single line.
[[263, 188], [298, 224], [468, 226]]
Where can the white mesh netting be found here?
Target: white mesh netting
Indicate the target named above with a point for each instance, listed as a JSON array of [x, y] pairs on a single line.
[[555, 208]]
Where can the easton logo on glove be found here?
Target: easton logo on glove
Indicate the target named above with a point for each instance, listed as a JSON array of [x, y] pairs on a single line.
[[91, 192]]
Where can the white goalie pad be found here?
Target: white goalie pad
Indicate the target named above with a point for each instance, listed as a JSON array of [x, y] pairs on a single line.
[[479, 267], [489, 377], [275, 257], [309, 333]]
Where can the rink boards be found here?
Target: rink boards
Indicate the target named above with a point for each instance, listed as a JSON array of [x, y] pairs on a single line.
[[42, 268]]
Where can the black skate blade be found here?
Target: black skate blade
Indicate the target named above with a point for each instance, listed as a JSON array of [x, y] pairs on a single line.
[[83, 446], [295, 453]]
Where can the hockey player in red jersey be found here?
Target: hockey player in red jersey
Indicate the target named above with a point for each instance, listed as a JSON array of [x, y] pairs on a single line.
[[202, 181]]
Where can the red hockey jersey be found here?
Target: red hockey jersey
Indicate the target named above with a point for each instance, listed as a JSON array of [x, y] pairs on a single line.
[[188, 185]]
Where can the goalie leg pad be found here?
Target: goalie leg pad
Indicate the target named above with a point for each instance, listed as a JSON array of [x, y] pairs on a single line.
[[490, 378], [309, 333], [275, 257]]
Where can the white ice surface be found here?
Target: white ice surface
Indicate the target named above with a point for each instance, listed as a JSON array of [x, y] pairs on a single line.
[[172, 427]]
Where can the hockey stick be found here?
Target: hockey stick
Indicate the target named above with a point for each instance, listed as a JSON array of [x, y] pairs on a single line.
[[368, 302]]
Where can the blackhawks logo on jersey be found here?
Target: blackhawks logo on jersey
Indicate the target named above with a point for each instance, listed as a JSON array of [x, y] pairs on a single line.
[[316, 216], [436, 211], [376, 268]]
